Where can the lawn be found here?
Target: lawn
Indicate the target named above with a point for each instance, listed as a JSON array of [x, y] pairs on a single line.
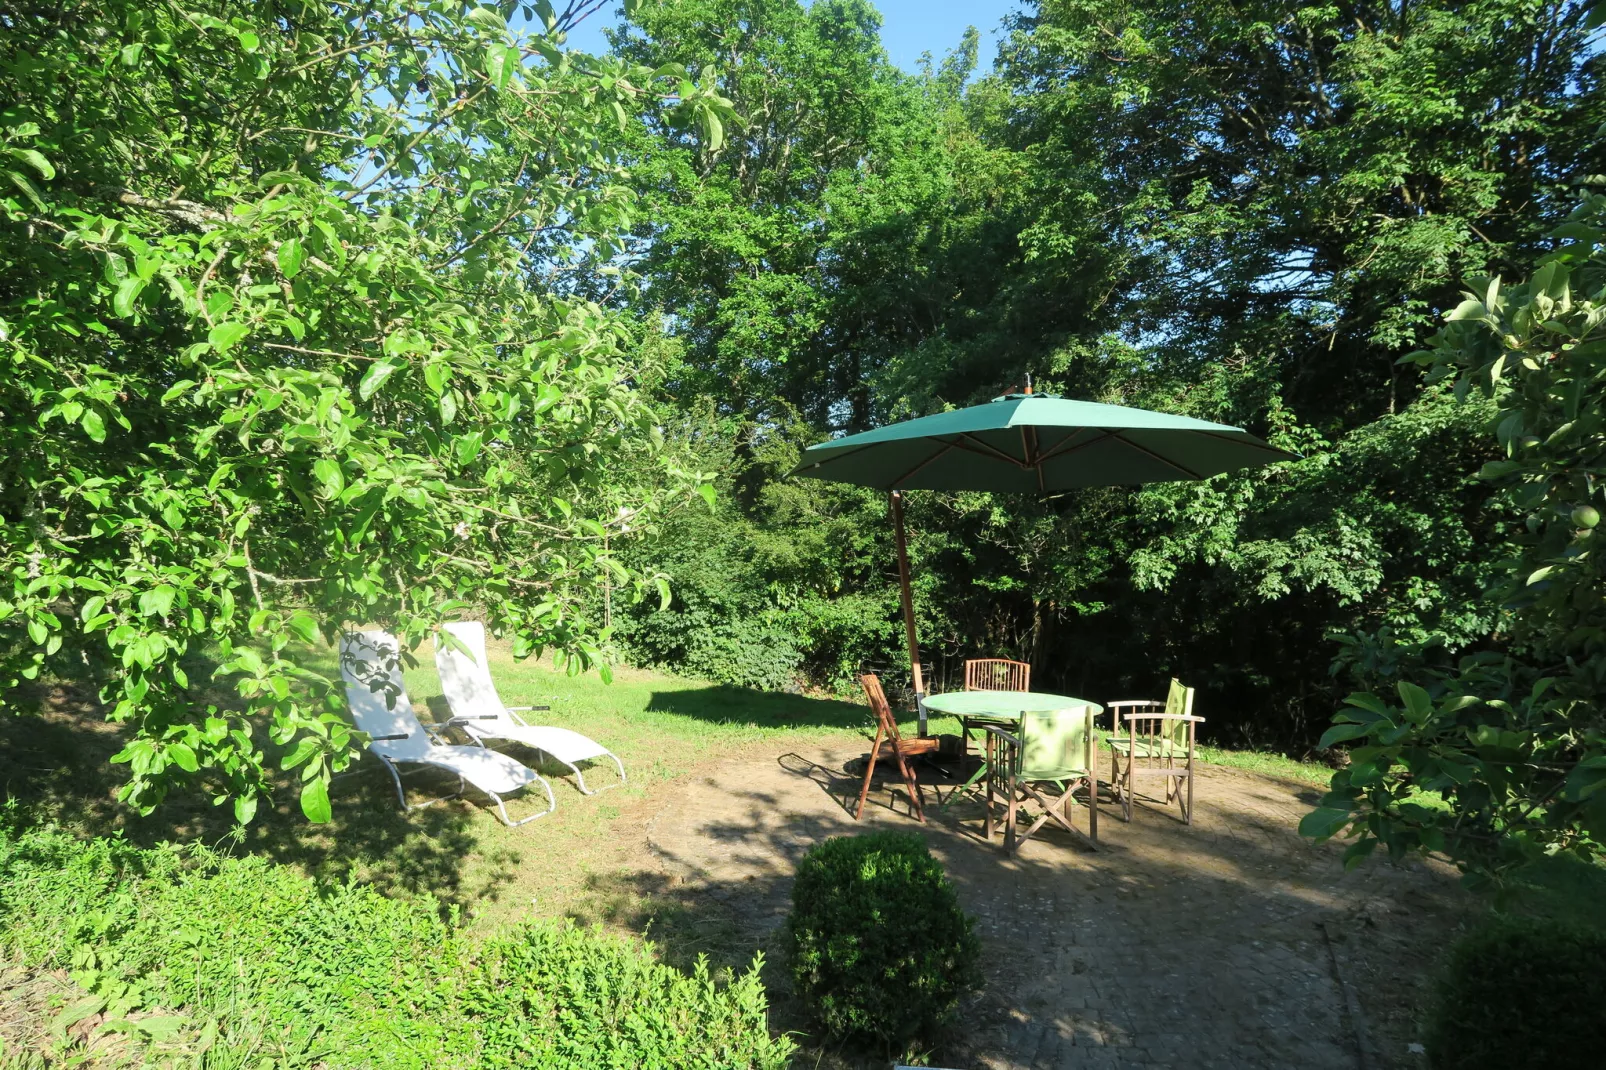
[[589, 859]]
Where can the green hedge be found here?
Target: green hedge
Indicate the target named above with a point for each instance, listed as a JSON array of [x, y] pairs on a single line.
[[1521, 992], [878, 946], [340, 974]]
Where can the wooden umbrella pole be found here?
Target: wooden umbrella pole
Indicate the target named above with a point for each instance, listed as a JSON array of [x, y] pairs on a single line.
[[908, 607]]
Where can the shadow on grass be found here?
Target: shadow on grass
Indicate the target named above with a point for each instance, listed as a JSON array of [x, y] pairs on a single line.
[[723, 704], [55, 767]]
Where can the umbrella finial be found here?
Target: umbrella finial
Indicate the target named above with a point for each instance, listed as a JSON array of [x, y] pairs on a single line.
[[1028, 382]]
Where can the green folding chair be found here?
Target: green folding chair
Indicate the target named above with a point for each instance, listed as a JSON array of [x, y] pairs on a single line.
[[1044, 761], [1157, 741]]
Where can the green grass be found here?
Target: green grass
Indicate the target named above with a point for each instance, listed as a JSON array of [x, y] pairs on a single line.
[[1268, 763], [587, 860]]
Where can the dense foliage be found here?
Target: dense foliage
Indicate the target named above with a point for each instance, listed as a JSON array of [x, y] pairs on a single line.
[[192, 950], [1245, 213], [290, 342], [878, 945], [1515, 738], [1520, 993]]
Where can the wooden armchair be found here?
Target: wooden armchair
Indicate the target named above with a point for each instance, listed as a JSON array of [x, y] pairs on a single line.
[[1157, 737], [1047, 758], [997, 674], [886, 734]]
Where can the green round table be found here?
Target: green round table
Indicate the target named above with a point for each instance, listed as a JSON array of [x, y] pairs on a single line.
[[997, 706], [1003, 704]]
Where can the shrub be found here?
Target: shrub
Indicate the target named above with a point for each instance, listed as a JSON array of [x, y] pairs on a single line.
[[1521, 992], [344, 976], [878, 946]]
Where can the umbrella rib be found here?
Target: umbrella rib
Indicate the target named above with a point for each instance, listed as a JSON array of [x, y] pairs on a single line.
[[834, 457], [1190, 473], [1062, 450], [1248, 440], [897, 483], [987, 450]]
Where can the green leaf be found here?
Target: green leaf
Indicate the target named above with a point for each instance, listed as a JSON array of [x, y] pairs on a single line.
[[245, 808], [1339, 733], [37, 161], [330, 478], [304, 749], [708, 493], [94, 425], [304, 625], [1418, 704], [225, 335], [158, 601], [1324, 822], [487, 19], [183, 756], [291, 256], [22, 182], [128, 292], [467, 447], [375, 379], [315, 801], [500, 60]]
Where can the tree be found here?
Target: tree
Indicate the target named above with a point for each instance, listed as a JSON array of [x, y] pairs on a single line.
[[1500, 760], [290, 345]]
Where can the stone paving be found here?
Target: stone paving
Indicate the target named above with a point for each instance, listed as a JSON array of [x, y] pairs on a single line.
[[1171, 946]]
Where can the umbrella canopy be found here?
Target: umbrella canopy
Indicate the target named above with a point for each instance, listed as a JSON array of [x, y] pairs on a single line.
[[1036, 443], [1027, 442]]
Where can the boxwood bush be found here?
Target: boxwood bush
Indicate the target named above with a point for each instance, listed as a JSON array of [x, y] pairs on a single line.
[[878, 946], [341, 976], [1521, 992]]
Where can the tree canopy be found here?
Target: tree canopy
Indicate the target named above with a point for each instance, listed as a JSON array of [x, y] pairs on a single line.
[[292, 343]]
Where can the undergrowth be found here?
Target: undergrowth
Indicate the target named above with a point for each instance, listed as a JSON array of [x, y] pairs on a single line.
[[181, 946]]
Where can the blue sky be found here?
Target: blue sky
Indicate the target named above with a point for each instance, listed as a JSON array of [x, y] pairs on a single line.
[[909, 27]]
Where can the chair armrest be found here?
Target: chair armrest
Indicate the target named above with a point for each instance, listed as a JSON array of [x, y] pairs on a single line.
[[1001, 734], [512, 708], [1162, 717], [469, 717], [1133, 702], [381, 739]]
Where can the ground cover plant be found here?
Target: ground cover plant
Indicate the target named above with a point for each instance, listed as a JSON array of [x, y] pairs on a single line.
[[171, 942]]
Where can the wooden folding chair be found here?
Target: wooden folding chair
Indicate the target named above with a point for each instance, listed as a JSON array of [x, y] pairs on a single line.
[[997, 674], [1045, 761], [992, 674], [886, 734], [1158, 736]]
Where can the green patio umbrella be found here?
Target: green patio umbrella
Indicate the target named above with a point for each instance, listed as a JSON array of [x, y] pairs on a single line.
[[1027, 442]]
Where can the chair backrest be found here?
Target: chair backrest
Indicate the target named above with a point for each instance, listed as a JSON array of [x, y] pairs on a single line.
[[878, 705], [1167, 734], [1178, 702], [465, 680], [1055, 742], [370, 665], [997, 674]]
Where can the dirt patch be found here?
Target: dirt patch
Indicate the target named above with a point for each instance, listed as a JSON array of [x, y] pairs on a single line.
[[1172, 945]]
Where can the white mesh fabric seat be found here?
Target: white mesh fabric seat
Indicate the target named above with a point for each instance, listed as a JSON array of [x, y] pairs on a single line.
[[371, 668], [478, 710]]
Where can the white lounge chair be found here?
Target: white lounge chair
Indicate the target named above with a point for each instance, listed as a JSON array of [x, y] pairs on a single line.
[[478, 710], [370, 665]]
